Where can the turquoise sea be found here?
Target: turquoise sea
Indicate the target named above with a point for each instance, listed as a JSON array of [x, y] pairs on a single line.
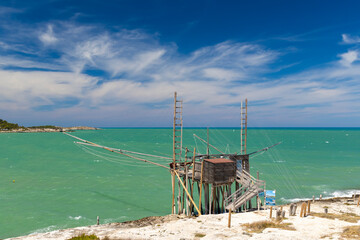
[[48, 182]]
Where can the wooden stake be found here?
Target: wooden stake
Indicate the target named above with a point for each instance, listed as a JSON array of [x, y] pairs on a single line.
[[278, 215], [358, 201], [201, 179], [270, 212], [229, 222], [197, 209], [303, 210], [308, 206]]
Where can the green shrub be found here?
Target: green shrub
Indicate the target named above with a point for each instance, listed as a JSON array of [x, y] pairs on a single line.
[[85, 237]]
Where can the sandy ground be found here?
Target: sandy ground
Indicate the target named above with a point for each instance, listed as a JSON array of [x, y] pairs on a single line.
[[216, 226]]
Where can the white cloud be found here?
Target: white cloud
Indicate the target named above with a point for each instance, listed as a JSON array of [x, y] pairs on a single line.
[[347, 39], [48, 37], [349, 57], [222, 74], [36, 88]]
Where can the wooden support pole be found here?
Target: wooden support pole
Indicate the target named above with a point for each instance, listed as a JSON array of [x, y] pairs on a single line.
[[219, 199], [206, 189], [229, 221], [270, 212], [215, 200], [179, 198], [173, 192], [223, 199], [308, 206], [186, 184], [358, 201], [201, 179], [193, 179], [197, 209], [211, 199], [236, 188]]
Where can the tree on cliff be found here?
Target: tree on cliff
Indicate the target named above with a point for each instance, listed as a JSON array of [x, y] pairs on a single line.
[[4, 125]]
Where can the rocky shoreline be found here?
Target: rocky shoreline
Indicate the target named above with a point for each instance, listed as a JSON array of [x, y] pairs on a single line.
[[341, 221], [57, 129]]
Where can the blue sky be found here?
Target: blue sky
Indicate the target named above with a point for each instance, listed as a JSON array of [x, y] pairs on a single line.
[[117, 63]]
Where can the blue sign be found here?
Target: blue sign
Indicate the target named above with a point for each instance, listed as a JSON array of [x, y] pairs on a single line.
[[270, 197]]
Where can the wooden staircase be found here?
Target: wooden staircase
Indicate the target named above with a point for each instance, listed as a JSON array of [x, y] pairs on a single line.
[[250, 187]]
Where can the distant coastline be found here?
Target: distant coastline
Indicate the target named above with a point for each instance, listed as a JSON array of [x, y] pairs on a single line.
[[47, 129], [7, 127]]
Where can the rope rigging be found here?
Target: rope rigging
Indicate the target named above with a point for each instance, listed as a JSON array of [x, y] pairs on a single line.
[[116, 151]]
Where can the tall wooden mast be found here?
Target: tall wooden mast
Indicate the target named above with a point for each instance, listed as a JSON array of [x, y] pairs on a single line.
[[177, 143], [243, 131]]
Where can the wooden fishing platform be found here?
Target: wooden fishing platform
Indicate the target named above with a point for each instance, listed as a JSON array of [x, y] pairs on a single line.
[[215, 175]]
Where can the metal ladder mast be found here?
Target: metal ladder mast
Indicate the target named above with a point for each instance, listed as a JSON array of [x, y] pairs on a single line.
[[243, 131], [177, 143]]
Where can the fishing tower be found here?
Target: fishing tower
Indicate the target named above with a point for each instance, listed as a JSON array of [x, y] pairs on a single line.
[[222, 181]]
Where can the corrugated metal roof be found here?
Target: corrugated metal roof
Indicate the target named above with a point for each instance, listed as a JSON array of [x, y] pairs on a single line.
[[218, 160]]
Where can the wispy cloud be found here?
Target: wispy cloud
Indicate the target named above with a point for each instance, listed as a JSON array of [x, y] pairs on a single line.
[[86, 70], [348, 39], [48, 37]]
